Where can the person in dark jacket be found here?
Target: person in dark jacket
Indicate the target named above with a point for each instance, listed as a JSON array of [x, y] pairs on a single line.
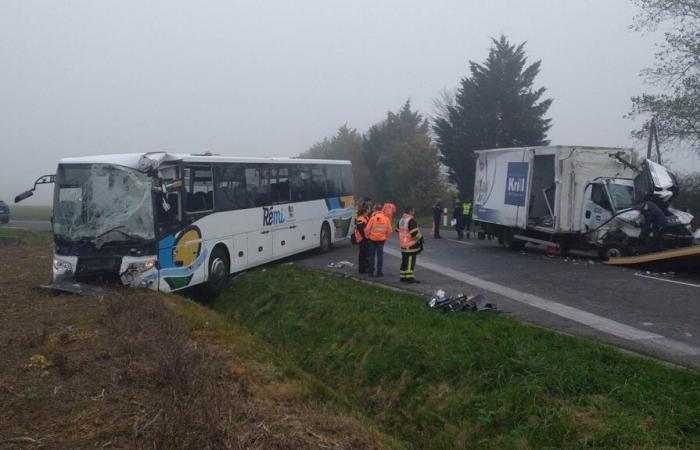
[[459, 219], [360, 224], [437, 212], [654, 224]]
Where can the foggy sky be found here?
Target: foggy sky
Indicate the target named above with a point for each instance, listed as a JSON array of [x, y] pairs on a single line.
[[270, 78]]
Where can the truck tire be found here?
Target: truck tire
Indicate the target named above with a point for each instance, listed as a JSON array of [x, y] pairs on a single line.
[[613, 251], [508, 240]]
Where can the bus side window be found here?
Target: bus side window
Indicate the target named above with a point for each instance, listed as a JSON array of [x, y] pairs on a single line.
[[346, 175], [279, 181], [300, 181], [199, 188], [230, 187], [319, 188]]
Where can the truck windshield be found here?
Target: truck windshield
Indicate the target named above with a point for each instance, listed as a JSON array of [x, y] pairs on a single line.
[[109, 202], [621, 196]]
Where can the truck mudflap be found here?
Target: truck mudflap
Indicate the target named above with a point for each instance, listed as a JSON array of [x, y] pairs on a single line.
[[687, 258]]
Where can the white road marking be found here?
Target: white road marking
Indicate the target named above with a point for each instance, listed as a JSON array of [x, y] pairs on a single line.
[[460, 242], [594, 321], [667, 281]]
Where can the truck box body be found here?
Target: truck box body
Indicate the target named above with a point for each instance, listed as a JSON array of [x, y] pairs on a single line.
[[541, 188]]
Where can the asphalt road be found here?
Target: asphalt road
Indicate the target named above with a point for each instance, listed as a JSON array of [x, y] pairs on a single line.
[[656, 314], [40, 225]]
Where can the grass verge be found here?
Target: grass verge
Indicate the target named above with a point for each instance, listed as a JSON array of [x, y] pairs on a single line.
[[465, 380], [24, 212], [139, 369]]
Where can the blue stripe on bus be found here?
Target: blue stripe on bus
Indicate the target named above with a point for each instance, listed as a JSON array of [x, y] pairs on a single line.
[[165, 252]]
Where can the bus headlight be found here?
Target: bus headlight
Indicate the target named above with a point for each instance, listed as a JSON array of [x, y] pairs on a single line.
[[142, 266], [61, 265]]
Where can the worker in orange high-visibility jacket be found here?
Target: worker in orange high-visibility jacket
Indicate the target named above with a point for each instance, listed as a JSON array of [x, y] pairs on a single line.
[[360, 224], [377, 231], [411, 243]]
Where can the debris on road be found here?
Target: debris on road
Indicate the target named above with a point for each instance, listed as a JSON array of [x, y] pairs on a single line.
[[340, 264], [75, 288], [460, 303]]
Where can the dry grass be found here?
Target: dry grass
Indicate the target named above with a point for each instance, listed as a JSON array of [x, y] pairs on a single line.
[[137, 369]]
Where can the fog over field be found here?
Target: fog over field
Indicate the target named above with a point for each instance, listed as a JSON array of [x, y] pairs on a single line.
[[272, 78]]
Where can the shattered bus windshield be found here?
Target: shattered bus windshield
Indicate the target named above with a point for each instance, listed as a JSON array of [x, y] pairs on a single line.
[[112, 203]]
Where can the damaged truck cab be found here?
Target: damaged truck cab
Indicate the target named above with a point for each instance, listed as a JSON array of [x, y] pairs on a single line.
[[573, 198]]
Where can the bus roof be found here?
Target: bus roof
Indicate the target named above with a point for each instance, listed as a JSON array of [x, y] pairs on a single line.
[[132, 159]]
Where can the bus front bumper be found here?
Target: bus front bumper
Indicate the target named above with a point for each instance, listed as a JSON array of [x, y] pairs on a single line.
[[141, 271]]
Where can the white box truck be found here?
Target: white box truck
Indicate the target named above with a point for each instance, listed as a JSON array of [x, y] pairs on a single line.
[[572, 197]]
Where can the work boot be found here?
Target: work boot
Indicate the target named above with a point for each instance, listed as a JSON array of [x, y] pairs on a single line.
[[379, 274], [412, 281]]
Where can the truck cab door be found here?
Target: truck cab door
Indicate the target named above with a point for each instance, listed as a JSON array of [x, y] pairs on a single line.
[[597, 209]]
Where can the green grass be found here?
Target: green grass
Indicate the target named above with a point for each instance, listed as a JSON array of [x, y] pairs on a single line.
[[26, 236], [23, 212], [465, 380]]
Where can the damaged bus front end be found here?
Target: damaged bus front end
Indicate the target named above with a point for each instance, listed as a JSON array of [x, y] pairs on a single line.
[[103, 224]]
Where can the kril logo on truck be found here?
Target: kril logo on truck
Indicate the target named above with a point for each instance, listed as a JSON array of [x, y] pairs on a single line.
[[272, 216], [516, 183]]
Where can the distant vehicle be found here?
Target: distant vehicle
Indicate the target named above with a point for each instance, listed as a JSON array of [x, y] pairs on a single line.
[[573, 197], [171, 221], [4, 212]]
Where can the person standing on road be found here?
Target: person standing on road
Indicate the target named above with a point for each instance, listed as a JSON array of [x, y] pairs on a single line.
[[437, 212], [458, 219], [411, 242], [377, 231], [467, 217], [360, 224]]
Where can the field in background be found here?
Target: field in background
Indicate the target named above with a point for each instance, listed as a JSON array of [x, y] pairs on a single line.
[[464, 380], [23, 212]]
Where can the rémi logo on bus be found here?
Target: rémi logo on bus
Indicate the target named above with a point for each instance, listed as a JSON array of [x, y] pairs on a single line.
[[272, 216]]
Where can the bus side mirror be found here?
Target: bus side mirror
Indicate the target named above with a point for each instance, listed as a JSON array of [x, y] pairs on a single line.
[[24, 195]]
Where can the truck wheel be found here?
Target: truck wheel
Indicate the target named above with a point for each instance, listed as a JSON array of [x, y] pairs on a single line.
[[218, 272], [508, 240], [325, 238], [613, 251]]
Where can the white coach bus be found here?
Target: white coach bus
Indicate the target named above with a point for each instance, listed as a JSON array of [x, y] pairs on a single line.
[[171, 221]]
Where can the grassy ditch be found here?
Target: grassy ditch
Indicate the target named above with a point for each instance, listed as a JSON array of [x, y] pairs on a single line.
[[139, 369], [465, 380]]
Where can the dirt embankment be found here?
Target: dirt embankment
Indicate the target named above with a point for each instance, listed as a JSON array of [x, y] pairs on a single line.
[[137, 369]]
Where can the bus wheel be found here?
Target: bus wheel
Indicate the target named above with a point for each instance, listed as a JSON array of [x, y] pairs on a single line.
[[218, 271], [325, 238]]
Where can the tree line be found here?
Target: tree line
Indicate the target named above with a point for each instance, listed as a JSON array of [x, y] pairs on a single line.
[[410, 160]]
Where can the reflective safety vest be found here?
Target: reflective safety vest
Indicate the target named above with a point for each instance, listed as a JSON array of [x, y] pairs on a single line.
[[378, 228], [406, 239], [358, 235], [466, 208]]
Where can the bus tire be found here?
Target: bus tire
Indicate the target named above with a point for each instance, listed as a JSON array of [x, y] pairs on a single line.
[[219, 271], [325, 238]]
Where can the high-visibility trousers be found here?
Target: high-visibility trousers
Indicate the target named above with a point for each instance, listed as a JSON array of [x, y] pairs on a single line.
[[408, 265]]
